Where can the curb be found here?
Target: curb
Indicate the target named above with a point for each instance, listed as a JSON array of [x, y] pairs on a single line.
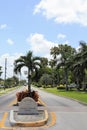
[[30, 124], [41, 102], [83, 103]]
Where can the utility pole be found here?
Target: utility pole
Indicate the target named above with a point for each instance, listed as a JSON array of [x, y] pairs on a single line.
[[5, 73]]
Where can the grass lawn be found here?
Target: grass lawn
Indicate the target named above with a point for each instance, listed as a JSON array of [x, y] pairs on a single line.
[[80, 96]]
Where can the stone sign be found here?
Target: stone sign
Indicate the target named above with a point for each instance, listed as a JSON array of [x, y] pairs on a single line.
[[28, 106]]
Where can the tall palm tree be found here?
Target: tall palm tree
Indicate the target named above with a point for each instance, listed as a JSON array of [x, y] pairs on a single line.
[[77, 63], [54, 51], [80, 64], [30, 62], [65, 52]]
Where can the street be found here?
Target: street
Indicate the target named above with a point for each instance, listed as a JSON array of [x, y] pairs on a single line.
[[65, 113], [70, 115]]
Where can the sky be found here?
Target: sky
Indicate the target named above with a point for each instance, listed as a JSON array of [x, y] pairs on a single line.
[[39, 25]]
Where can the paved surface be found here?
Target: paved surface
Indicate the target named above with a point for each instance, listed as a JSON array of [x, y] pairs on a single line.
[[70, 115]]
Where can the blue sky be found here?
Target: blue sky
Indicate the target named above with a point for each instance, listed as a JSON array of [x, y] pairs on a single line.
[[38, 25]]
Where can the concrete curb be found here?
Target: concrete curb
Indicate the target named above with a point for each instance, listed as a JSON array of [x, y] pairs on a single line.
[[83, 103], [29, 124], [41, 102]]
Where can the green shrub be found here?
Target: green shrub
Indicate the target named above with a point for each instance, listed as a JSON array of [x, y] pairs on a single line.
[[49, 86], [61, 86], [39, 85]]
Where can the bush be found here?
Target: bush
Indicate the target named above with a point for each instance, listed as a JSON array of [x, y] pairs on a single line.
[[49, 86], [44, 86], [61, 86], [23, 94], [39, 85]]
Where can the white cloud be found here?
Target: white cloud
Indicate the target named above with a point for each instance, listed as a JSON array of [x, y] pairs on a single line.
[[39, 45], [62, 36], [64, 11], [10, 41], [3, 26]]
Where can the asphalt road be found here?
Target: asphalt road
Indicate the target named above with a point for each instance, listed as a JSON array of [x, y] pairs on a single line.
[[69, 114]]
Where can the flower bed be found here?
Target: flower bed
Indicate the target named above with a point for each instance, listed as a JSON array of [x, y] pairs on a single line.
[[23, 94]]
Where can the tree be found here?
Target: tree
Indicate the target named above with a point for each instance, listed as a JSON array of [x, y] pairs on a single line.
[[64, 52], [11, 82], [54, 51], [44, 61], [77, 63], [32, 64], [46, 79], [80, 64], [0, 70], [45, 69]]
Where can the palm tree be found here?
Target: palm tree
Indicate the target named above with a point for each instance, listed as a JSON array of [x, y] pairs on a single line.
[[77, 64], [54, 51], [65, 52], [30, 62], [80, 64], [44, 61]]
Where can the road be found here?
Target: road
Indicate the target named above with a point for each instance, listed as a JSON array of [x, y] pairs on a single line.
[[63, 113], [70, 114]]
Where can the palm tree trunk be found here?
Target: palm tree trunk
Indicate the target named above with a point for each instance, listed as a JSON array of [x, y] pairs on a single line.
[[29, 88], [66, 79], [29, 83]]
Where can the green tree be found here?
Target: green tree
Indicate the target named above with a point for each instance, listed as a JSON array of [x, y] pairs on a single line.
[[80, 64], [45, 69], [77, 63], [61, 54], [46, 79], [11, 82], [44, 61], [54, 51], [32, 64], [0, 70]]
